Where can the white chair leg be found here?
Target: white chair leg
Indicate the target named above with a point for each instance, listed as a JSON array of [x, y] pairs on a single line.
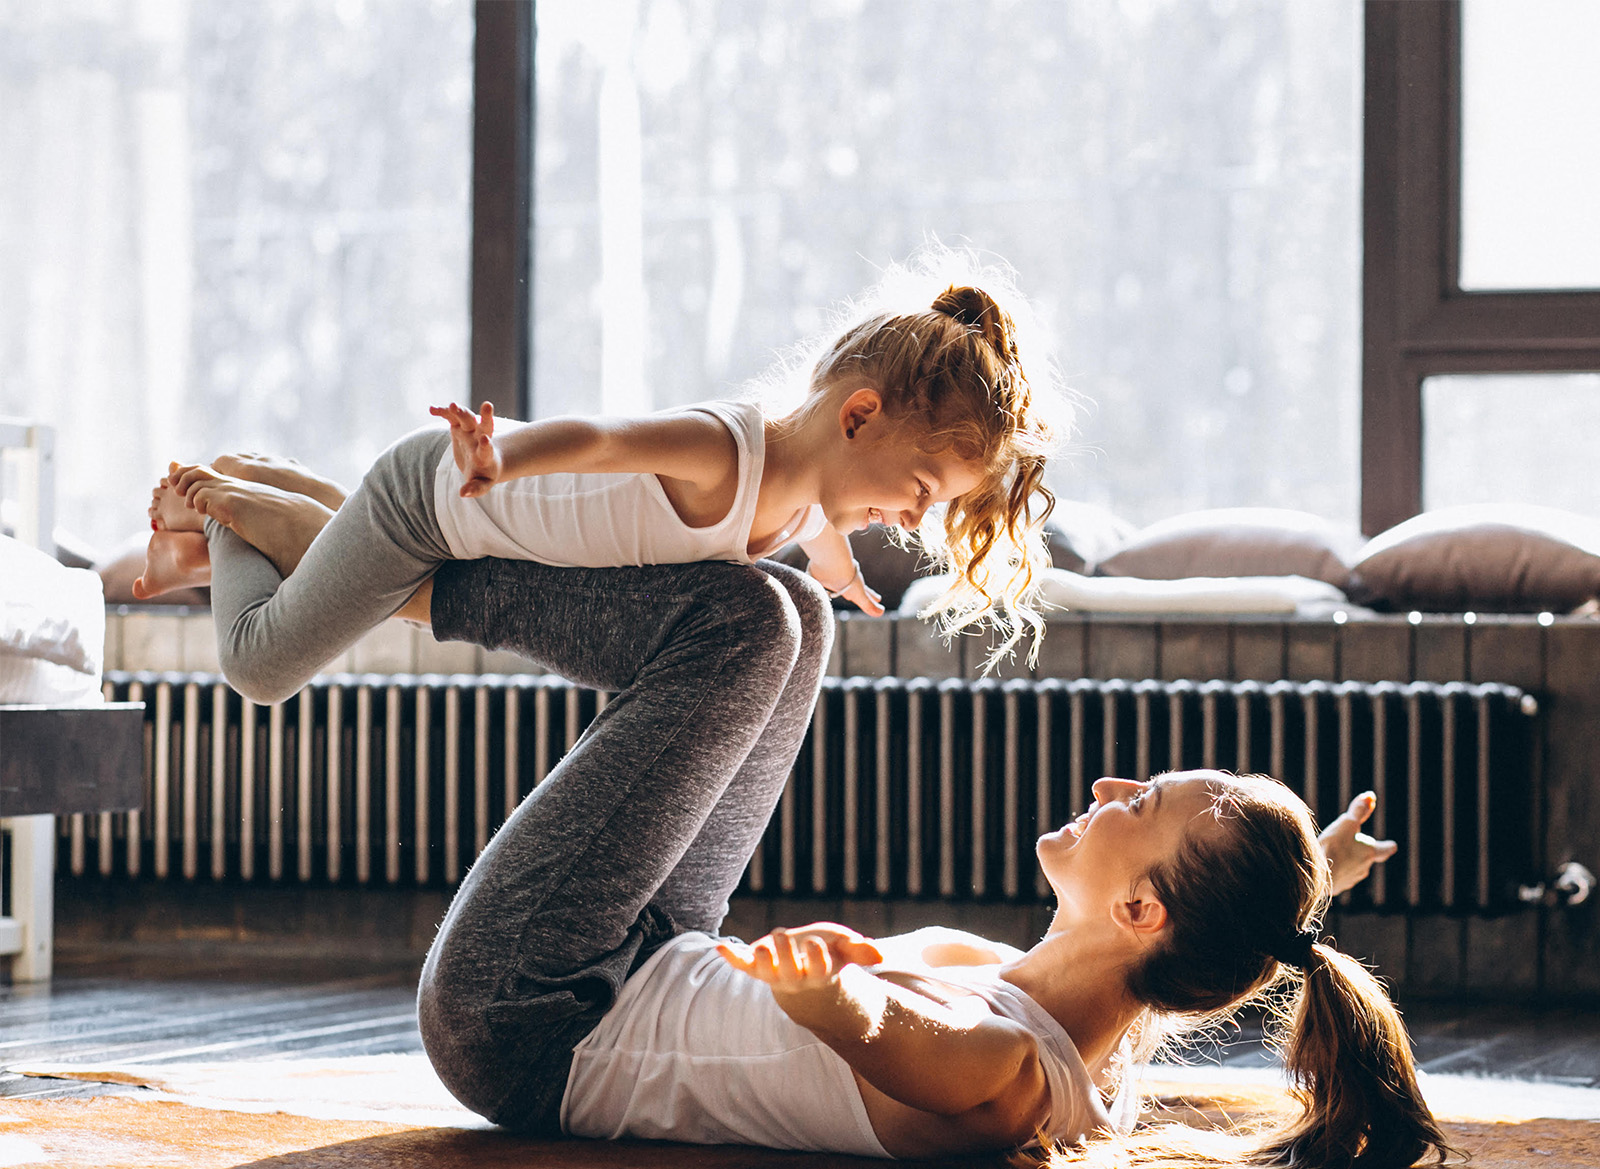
[[33, 870]]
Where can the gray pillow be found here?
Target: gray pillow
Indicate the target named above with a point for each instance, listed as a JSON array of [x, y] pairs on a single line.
[[1237, 541], [1082, 533], [1505, 558]]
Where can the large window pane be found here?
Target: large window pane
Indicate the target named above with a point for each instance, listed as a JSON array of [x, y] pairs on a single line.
[[1176, 182], [225, 224], [1511, 438], [1530, 144]]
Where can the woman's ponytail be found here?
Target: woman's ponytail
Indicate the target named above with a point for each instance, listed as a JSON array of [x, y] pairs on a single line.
[[1350, 1060]]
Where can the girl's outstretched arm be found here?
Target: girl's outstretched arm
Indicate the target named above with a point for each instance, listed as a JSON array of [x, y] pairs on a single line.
[[834, 567], [694, 448], [959, 1061]]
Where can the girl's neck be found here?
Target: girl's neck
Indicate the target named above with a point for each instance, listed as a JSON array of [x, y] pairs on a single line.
[[791, 474], [1079, 977]]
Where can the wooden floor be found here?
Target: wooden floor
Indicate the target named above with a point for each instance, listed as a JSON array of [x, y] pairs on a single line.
[[105, 1007]]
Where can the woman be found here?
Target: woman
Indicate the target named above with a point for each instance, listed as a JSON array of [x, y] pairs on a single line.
[[577, 984]]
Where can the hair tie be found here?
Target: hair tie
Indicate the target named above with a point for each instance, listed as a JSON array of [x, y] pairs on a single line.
[[1295, 950]]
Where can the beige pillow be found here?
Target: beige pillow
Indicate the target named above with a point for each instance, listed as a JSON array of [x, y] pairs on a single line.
[[1506, 558], [1237, 541]]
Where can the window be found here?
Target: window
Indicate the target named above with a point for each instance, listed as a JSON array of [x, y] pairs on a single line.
[[1430, 305], [710, 175], [229, 225], [1530, 151], [1511, 438]]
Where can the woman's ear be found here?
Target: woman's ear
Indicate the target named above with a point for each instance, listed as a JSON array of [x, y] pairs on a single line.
[[858, 408], [1141, 912]]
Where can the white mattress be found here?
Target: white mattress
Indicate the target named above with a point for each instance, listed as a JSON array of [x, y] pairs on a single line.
[[52, 629]]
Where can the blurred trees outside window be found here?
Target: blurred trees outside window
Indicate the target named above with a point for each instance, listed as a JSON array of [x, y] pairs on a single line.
[[1177, 183], [229, 224]]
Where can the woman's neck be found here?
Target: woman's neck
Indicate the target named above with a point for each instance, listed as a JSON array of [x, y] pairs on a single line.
[[1080, 978]]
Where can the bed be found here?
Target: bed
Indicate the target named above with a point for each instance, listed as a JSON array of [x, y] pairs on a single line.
[[63, 748]]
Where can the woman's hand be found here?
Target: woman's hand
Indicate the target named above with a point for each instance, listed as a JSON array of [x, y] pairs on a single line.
[[472, 443], [1351, 852], [808, 958]]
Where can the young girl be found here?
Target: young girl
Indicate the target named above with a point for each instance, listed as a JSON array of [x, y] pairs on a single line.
[[903, 413]]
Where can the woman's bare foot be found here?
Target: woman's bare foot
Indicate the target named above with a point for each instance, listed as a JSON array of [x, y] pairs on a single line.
[[173, 560], [170, 511], [284, 474], [279, 524]]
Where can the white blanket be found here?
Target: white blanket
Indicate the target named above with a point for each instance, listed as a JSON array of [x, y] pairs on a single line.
[[1061, 589], [52, 628]]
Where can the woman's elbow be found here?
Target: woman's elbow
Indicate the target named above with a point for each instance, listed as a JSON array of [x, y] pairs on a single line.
[[1016, 1113]]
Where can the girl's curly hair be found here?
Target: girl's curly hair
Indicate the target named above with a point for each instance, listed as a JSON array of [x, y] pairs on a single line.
[[955, 369]]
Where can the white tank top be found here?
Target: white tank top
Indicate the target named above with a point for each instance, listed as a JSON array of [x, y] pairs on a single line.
[[695, 1051], [608, 521]]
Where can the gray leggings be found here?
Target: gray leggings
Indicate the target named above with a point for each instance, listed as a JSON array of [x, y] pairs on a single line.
[[643, 830], [274, 634]]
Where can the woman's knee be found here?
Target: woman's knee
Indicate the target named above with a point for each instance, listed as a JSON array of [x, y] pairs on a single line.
[[812, 608], [754, 616]]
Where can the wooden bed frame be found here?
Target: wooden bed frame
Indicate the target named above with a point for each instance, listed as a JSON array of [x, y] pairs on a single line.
[[53, 760]]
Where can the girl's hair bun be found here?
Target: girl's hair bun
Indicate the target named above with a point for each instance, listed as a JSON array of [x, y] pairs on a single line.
[[975, 308]]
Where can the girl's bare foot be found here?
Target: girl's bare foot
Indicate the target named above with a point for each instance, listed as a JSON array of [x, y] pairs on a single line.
[[284, 474], [279, 524], [170, 511], [173, 560]]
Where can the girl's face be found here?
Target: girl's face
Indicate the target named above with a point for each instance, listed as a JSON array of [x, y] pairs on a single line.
[[883, 478], [1104, 854]]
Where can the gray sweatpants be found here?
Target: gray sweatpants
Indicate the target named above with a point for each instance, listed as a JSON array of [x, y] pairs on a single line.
[[274, 634], [643, 830]]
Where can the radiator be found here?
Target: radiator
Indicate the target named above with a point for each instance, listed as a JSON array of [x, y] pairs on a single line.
[[903, 788]]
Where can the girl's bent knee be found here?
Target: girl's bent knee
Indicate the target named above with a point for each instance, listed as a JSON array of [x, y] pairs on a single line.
[[263, 687]]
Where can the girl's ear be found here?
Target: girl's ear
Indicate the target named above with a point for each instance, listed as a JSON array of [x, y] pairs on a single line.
[[859, 407], [1141, 913]]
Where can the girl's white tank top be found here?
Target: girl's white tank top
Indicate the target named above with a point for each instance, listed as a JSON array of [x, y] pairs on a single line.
[[608, 521], [695, 1051]]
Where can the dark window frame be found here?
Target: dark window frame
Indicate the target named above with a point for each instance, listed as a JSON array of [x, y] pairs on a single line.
[[502, 205], [1417, 321]]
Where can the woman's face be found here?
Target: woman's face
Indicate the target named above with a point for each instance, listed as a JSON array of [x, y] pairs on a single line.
[[1102, 856]]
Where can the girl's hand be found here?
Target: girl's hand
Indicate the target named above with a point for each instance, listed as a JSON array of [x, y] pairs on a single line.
[[1351, 852], [808, 958], [856, 590], [472, 443], [864, 596]]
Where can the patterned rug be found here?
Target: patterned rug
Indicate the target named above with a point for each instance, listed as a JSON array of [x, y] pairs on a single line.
[[390, 1111]]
